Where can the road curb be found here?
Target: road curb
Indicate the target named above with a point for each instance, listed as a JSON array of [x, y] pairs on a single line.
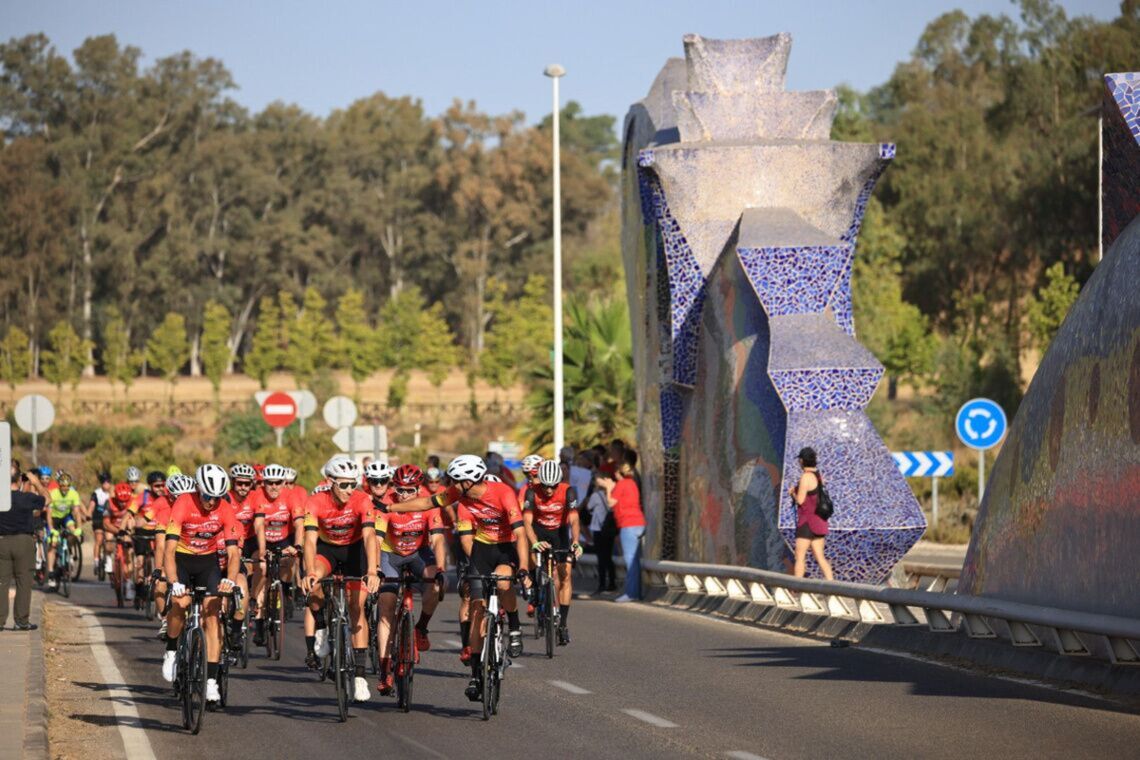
[[35, 716]]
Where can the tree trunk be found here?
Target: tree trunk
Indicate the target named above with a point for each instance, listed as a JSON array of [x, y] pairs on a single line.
[[195, 358], [240, 325], [892, 388]]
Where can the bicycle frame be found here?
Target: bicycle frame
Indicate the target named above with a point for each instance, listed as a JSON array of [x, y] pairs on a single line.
[[341, 660], [494, 652]]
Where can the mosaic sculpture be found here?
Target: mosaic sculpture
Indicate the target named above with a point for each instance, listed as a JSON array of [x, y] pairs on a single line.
[[740, 223], [1060, 522]]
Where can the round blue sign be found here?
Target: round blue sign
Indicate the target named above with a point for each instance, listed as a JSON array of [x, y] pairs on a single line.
[[981, 424]]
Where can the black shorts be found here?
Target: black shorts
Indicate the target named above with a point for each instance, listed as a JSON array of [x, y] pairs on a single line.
[[248, 549], [97, 521], [278, 546], [346, 559], [143, 544], [392, 567], [486, 557], [805, 531], [559, 539], [198, 570]]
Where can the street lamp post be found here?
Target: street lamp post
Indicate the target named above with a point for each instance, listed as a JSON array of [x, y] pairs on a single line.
[[555, 72]]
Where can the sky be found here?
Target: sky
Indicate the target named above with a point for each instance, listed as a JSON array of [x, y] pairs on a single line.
[[324, 55]]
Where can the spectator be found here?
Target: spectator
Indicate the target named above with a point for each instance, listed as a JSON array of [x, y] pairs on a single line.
[[604, 530], [18, 550], [625, 499], [629, 456], [578, 468], [498, 467], [810, 527], [433, 461]]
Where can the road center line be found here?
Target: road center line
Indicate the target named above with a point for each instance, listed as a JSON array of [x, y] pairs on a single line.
[[650, 718], [135, 741], [566, 686]]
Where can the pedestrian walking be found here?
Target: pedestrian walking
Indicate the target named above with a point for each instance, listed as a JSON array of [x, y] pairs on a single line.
[[604, 530], [625, 500], [811, 529], [18, 551]]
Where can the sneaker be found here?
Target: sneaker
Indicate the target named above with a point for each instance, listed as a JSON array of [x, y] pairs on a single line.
[[386, 685], [25, 627], [107, 565], [360, 689], [212, 693], [51, 582], [474, 690], [321, 646], [514, 643], [169, 666], [529, 609], [259, 636], [312, 662], [563, 635], [465, 655], [423, 643], [623, 599]]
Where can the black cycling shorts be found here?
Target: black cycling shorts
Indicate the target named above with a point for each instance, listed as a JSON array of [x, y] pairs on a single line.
[[559, 539], [248, 549], [198, 570], [97, 521], [486, 557], [392, 567], [278, 546], [143, 544], [346, 559]]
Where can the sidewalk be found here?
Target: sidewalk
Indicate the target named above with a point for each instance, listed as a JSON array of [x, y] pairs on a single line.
[[23, 710]]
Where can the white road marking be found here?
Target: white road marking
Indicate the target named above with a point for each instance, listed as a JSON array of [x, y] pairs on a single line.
[[740, 754], [650, 718], [454, 643], [516, 664], [566, 686], [135, 740]]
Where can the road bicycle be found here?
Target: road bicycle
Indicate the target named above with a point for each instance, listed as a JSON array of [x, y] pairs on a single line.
[[190, 678], [372, 616], [495, 660], [100, 559], [402, 650], [274, 610], [340, 661], [121, 569], [231, 601], [63, 565], [547, 614], [144, 592]]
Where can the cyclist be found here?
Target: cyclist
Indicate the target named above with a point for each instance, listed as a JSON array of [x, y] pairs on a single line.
[[96, 508], [176, 485], [117, 523], [65, 503], [241, 498], [529, 469], [550, 515], [201, 525], [133, 476], [148, 513], [340, 537], [407, 539], [490, 527], [433, 478], [278, 523]]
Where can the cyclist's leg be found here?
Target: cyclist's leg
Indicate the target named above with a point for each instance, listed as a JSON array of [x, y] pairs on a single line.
[[322, 567], [388, 590]]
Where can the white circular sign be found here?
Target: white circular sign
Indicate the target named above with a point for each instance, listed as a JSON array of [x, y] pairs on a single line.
[[306, 403], [34, 414], [339, 412]]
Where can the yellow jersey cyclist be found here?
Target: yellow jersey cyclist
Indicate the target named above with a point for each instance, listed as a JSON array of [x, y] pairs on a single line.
[[150, 513], [65, 504]]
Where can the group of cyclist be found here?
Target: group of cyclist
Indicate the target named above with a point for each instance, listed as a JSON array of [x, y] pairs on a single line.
[[367, 525]]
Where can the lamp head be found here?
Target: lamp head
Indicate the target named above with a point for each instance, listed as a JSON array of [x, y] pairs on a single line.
[[554, 71]]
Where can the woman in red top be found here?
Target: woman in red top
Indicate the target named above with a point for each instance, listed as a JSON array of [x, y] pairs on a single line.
[[810, 527], [625, 499]]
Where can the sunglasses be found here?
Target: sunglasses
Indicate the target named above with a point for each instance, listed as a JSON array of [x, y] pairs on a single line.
[[274, 483], [211, 499], [406, 491], [243, 484], [379, 481], [346, 485]]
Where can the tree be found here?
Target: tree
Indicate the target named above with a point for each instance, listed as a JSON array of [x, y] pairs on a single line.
[[520, 332], [64, 361], [437, 353], [267, 353], [168, 349], [215, 346], [361, 351], [398, 334], [15, 357], [120, 362], [1048, 309], [312, 340]]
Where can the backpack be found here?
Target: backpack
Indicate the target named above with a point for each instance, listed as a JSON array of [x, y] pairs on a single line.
[[824, 507]]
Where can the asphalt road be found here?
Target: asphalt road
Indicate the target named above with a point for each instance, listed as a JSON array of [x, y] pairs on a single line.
[[637, 681]]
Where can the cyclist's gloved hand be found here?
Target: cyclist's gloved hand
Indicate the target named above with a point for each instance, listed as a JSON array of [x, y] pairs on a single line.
[[157, 574], [372, 583], [440, 584], [226, 585], [540, 546], [177, 589], [577, 549]]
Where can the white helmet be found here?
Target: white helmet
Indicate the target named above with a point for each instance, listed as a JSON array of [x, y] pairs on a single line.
[[290, 474], [213, 482], [243, 472], [179, 484], [379, 471], [133, 475], [433, 473], [530, 464], [343, 468], [549, 473], [492, 478], [334, 461], [467, 467], [274, 472]]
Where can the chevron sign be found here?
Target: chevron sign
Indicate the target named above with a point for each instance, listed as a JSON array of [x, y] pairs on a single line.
[[925, 464]]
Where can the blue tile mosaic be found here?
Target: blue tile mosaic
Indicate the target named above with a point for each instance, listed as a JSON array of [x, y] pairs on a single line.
[[1121, 175]]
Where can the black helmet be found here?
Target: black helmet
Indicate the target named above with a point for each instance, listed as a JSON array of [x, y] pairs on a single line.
[[104, 477], [154, 476]]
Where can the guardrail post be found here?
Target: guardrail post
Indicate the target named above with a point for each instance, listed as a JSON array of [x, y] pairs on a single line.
[[938, 620], [1068, 642], [760, 594], [784, 598], [1021, 636], [713, 587], [837, 607], [869, 613], [736, 589], [811, 603], [902, 615], [1122, 651], [693, 584], [977, 627]]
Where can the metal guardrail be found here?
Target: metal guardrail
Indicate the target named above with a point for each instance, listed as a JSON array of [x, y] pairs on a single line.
[[1066, 632]]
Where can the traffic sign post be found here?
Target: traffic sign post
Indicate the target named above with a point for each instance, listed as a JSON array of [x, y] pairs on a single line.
[[279, 410], [372, 438], [981, 424], [926, 464], [5, 464], [34, 414], [305, 400], [340, 412]]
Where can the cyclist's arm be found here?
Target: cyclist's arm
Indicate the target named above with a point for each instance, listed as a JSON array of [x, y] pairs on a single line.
[[160, 546], [575, 526], [233, 561], [528, 526], [310, 543], [169, 566], [371, 550], [418, 504], [299, 533], [522, 548], [439, 549], [259, 531], [467, 542]]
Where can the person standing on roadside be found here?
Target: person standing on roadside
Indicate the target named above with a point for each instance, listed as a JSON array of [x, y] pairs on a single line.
[[18, 549], [625, 499], [810, 527], [604, 531]]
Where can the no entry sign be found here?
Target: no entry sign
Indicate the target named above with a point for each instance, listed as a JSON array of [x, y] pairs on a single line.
[[279, 410]]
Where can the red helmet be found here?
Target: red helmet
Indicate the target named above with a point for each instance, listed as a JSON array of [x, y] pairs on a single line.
[[260, 470], [124, 492], [408, 476]]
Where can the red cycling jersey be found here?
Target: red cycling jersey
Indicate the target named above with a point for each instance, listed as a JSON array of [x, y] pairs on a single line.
[[243, 513], [404, 533], [200, 531], [155, 512], [115, 516], [278, 514], [551, 511], [337, 524], [492, 518]]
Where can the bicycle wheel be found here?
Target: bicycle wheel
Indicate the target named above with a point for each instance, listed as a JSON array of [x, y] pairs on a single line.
[[488, 667], [538, 604], [244, 643], [340, 674], [374, 637], [500, 649], [223, 682], [75, 555], [196, 680], [548, 615], [407, 663], [279, 615]]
